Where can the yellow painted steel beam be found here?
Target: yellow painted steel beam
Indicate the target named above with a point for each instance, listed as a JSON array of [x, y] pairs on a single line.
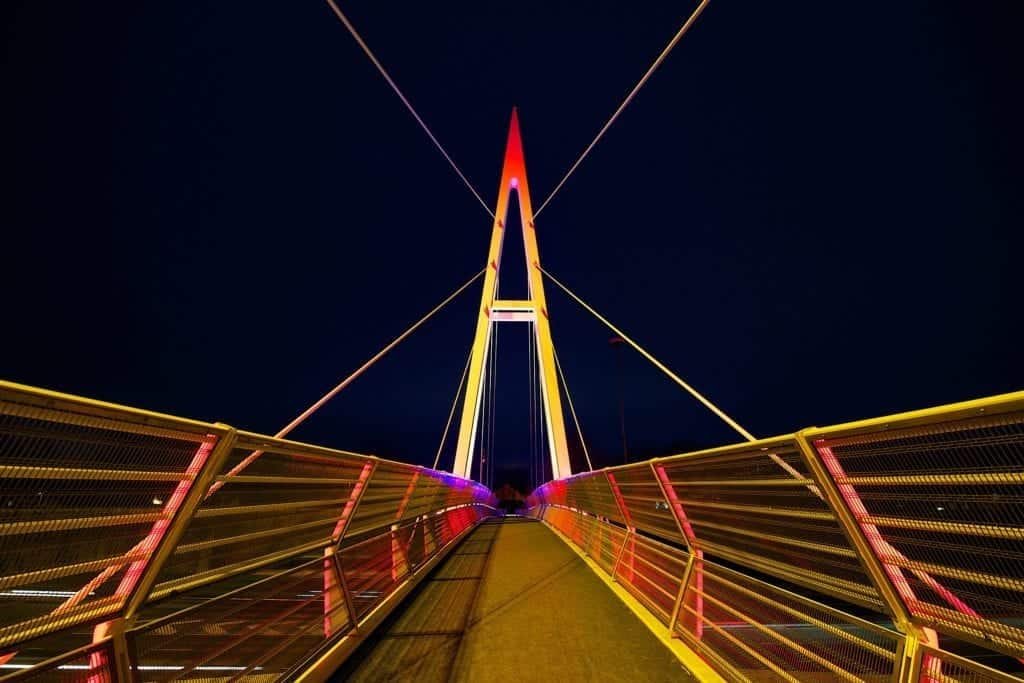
[[514, 305], [185, 548], [72, 523], [950, 413], [959, 479], [1010, 533], [60, 571], [187, 583], [783, 482], [91, 611], [763, 510], [782, 540], [87, 474], [684, 583], [286, 481], [260, 442], [55, 406], [721, 572], [264, 508], [851, 591], [1007, 583]]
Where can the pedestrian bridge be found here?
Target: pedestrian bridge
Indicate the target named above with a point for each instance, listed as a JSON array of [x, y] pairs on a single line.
[[136, 546]]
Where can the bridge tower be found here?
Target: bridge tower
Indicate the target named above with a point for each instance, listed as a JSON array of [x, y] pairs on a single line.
[[494, 310]]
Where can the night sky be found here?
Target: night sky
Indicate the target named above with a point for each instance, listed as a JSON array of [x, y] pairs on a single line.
[[812, 212]]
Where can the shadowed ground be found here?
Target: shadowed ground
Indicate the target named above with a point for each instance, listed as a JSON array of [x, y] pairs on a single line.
[[512, 603]]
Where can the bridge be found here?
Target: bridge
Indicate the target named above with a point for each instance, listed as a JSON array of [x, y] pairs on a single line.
[[139, 546]]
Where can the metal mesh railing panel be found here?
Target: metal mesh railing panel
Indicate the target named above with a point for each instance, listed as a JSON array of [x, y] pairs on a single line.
[[758, 506], [938, 666], [91, 664], [645, 506], [84, 495], [372, 570], [649, 570], [942, 504], [379, 505], [257, 631], [243, 535], [591, 492], [284, 500], [765, 632], [652, 572]]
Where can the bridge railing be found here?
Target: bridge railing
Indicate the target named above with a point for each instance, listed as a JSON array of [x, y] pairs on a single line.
[[140, 546], [887, 549]]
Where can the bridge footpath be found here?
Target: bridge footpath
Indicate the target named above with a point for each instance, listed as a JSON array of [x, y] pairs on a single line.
[[513, 601]]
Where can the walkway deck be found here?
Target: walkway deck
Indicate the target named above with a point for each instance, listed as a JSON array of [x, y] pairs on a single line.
[[512, 602]]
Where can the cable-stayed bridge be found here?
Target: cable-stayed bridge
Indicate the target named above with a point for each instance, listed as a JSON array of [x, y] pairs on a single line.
[[137, 546]]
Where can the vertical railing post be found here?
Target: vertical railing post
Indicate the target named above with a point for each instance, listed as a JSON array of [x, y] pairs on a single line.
[[619, 502], [122, 667], [694, 564], [334, 576], [429, 539], [399, 558], [909, 658], [681, 595], [630, 529], [346, 594]]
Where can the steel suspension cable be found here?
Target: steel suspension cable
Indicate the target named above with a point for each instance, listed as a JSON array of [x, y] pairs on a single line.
[[923, 575], [115, 567], [543, 447], [482, 426], [572, 410], [629, 98], [533, 442], [451, 413], [538, 420], [657, 363], [347, 381], [408, 105], [693, 392], [485, 407], [494, 403]]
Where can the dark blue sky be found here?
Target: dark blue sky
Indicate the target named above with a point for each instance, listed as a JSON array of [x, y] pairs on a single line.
[[812, 212]]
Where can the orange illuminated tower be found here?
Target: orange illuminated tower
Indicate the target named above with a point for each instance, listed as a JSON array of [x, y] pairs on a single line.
[[493, 311]]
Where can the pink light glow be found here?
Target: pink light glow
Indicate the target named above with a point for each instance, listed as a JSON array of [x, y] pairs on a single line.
[[691, 538], [98, 660], [513, 183], [883, 550]]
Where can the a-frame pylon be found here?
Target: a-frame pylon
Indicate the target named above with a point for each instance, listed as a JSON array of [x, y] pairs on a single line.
[[493, 310]]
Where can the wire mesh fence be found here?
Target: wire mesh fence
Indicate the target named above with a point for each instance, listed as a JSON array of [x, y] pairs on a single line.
[[141, 547], [888, 549]]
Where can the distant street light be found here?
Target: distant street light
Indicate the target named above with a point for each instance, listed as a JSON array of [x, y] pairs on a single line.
[[619, 342]]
